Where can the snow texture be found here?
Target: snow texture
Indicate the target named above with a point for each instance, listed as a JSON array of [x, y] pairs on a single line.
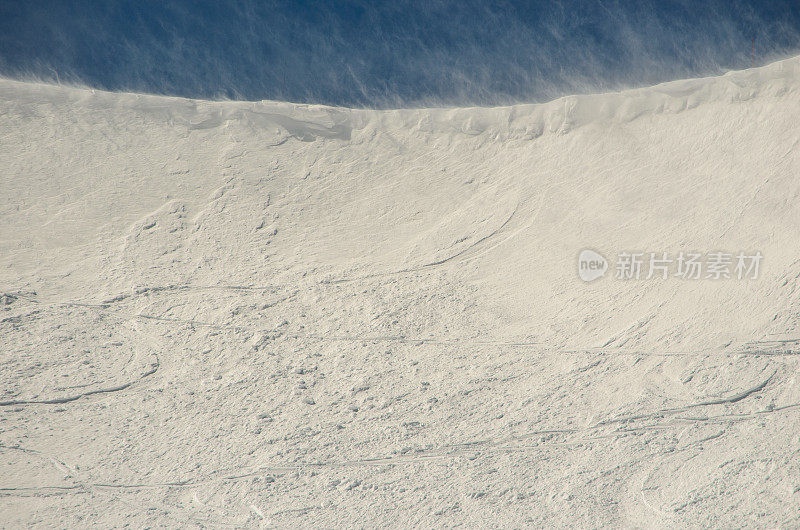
[[244, 314]]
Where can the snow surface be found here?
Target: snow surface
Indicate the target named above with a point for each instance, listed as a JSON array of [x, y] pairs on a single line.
[[233, 314]]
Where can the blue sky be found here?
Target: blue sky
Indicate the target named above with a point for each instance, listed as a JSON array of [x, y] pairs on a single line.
[[387, 54]]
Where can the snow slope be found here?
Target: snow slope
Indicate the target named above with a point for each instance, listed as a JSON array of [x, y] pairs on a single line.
[[267, 314]]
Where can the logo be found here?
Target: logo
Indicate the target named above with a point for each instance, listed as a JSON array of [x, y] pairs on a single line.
[[717, 265], [591, 265]]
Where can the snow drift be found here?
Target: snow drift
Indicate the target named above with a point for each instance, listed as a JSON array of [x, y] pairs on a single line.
[[244, 313]]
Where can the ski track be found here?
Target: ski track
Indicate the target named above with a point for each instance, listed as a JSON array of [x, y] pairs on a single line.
[[240, 314]]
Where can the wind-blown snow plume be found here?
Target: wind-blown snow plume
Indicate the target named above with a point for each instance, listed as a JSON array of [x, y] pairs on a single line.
[[388, 54]]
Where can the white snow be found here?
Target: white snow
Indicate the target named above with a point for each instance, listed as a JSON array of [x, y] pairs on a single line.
[[268, 314]]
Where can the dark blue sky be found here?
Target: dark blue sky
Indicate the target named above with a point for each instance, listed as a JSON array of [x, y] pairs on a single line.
[[386, 54]]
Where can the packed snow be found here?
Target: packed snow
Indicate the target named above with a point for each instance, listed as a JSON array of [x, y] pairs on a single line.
[[244, 314]]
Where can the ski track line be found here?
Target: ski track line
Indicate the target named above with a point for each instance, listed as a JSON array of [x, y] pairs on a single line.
[[447, 451], [75, 397], [721, 401], [154, 367], [474, 246], [434, 341]]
